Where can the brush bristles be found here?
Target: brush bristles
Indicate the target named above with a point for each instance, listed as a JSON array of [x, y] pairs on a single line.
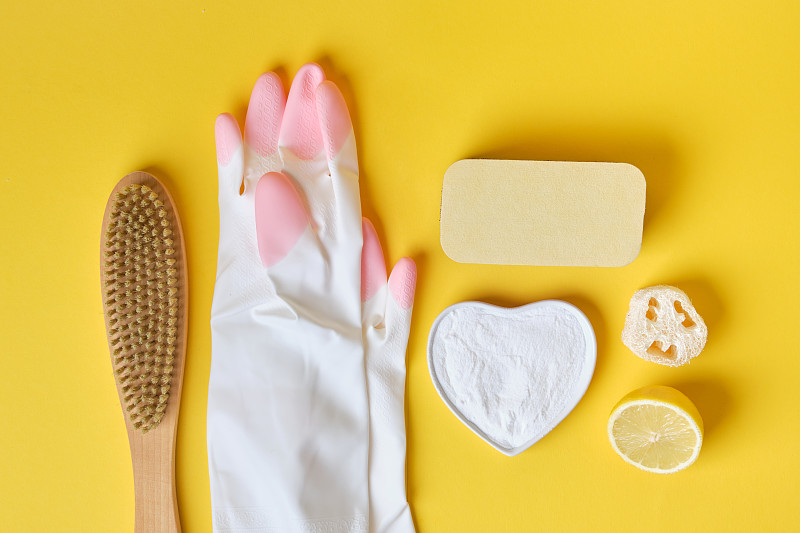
[[141, 296]]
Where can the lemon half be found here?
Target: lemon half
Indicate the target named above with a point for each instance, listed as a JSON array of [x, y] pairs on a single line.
[[657, 429]]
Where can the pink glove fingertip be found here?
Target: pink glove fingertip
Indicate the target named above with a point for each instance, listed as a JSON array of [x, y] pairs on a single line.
[[227, 137], [264, 114], [403, 282], [300, 129], [373, 266], [334, 118]]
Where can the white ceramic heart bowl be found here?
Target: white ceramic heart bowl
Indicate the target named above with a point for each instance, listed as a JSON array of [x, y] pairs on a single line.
[[511, 375]]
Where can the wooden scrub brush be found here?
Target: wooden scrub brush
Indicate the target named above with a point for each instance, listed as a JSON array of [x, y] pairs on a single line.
[[143, 265]]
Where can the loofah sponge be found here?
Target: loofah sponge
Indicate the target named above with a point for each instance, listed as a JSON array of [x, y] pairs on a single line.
[[662, 326]]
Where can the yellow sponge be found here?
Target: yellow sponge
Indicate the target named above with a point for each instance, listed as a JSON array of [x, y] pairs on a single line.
[[542, 212]]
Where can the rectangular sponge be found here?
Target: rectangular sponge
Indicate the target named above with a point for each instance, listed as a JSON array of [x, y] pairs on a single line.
[[550, 213]]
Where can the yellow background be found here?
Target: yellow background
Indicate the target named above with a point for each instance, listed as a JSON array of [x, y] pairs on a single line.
[[704, 97]]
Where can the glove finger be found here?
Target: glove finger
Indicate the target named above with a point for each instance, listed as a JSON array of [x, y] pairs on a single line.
[[340, 150], [373, 277], [337, 130], [402, 284], [262, 127], [230, 159], [299, 130], [281, 218], [386, 377]]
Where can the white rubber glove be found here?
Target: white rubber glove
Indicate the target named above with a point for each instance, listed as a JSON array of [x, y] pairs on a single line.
[[387, 319], [287, 405]]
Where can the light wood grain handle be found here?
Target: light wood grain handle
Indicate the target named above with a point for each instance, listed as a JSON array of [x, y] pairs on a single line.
[[154, 481]]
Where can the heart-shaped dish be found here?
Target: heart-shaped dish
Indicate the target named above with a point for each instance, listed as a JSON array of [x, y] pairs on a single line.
[[511, 375]]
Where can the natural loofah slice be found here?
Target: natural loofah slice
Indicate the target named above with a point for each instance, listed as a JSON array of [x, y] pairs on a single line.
[[662, 326]]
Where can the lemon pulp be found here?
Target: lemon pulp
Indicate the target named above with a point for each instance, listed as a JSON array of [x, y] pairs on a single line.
[[656, 429]]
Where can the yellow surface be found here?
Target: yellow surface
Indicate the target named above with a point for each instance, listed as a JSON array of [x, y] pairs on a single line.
[[703, 97]]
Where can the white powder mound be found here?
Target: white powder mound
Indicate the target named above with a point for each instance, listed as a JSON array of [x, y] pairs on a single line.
[[514, 374]]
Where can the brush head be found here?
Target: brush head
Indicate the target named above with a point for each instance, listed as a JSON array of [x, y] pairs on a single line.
[[142, 292]]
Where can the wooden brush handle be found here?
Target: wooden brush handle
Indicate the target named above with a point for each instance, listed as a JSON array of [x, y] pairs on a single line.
[[154, 483]]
